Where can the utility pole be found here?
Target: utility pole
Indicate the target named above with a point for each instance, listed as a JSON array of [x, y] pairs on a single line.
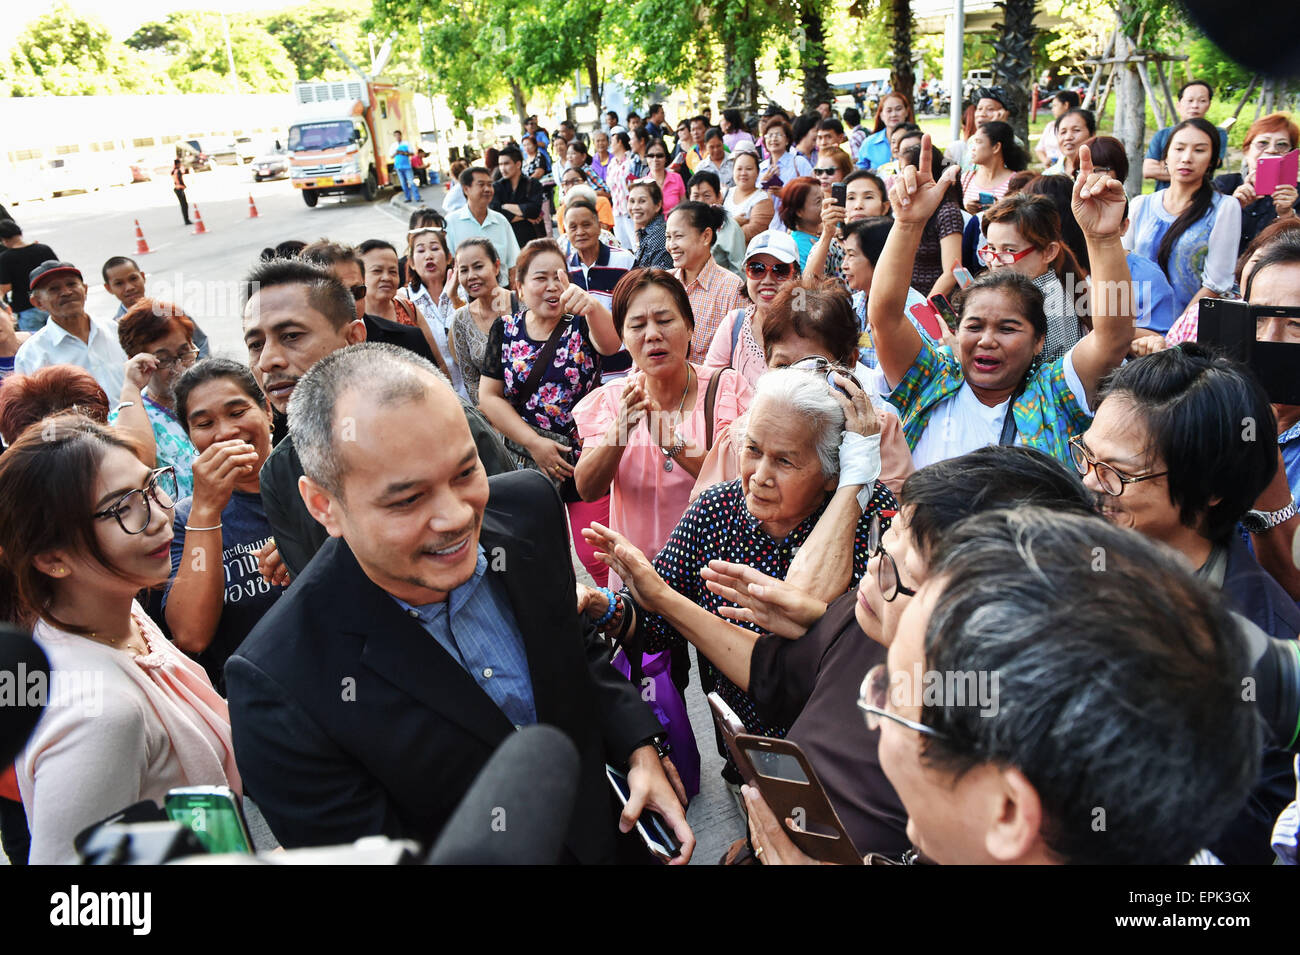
[[957, 95], [230, 52], [428, 82]]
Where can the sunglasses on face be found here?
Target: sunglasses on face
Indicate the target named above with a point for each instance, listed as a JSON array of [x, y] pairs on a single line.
[[780, 270], [824, 171], [358, 292]]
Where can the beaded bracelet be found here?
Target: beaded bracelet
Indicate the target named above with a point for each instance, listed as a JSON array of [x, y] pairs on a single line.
[[610, 610]]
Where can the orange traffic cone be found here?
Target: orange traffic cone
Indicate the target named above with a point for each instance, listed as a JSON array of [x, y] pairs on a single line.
[[252, 207], [141, 246], [199, 227]]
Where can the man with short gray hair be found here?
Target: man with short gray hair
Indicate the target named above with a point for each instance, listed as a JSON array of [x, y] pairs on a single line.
[[439, 619]]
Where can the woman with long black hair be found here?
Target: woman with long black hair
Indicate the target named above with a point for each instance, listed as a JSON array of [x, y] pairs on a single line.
[[1190, 230]]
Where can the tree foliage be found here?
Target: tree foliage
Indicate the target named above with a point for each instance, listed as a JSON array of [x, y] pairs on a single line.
[[65, 54]]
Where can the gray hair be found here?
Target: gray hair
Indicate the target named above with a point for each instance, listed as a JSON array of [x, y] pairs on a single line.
[[388, 374], [807, 395]]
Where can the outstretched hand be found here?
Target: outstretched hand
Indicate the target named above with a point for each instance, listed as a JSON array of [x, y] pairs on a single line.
[[914, 194], [1099, 201]]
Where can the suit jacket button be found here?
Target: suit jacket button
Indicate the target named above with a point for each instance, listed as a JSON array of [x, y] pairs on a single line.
[[487, 673]]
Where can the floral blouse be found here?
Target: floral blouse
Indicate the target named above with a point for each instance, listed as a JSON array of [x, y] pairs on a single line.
[[573, 373]]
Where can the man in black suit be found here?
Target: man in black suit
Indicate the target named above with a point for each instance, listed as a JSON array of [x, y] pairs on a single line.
[[518, 197], [296, 314], [441, 616]]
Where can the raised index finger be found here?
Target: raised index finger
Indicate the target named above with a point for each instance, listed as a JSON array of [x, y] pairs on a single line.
[[923, 165], [1085, 163]]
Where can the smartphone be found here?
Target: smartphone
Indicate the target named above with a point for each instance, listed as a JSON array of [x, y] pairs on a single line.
[[927, 318], [728, 722], [781, 773], [651, 827], [987, 198], [1274, 171], [839, 194], [213, 813], [962, 275], [945, 310]]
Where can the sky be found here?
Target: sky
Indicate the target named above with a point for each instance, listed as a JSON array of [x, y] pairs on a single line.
[[122, 17]]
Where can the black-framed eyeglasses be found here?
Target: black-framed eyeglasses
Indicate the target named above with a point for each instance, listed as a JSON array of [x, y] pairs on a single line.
[[1111, 479], [358, 292], [185, 356], [873, 695], [132, 510], [887, 578]]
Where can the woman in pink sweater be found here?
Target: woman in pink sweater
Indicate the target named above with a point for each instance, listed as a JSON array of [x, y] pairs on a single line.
[[128, 716]]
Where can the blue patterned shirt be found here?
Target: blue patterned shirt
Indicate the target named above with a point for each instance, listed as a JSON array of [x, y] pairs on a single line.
[[1047, 413], [477, 627]]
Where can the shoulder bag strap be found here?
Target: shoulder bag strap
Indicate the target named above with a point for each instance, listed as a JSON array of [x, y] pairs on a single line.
[[735, 337], [711, 399], [534, 379]]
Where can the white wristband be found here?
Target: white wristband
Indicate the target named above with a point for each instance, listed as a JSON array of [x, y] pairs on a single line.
[[860, 463]]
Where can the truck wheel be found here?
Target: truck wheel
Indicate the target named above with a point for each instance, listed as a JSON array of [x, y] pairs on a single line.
[[309, 196], [370, 188]]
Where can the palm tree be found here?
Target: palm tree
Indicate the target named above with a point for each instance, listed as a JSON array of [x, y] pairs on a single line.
[[812, 56], [902, 77], [1013, 65]]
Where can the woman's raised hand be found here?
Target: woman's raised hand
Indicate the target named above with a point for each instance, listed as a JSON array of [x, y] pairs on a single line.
[[1099, 200], [914, 194]]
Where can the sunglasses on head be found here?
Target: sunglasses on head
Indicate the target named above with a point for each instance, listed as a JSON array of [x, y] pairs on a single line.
[[779, 270]]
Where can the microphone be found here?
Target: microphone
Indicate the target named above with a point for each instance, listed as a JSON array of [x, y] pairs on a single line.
[[517, 811], [24, 689]]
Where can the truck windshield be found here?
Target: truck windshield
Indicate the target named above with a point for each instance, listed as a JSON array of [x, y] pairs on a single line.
[[320, 135]]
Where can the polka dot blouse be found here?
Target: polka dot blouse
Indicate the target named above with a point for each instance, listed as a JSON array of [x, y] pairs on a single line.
[[719, 527]]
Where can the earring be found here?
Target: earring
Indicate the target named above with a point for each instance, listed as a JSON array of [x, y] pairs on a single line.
[[62, 572]]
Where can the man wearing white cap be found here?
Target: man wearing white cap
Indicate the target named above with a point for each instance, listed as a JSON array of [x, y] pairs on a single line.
[[71, 336]]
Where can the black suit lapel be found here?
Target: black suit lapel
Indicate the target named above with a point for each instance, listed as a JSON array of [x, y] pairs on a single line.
[[399, 649]]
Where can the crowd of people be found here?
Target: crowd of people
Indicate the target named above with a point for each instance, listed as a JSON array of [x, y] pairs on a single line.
[[849, 415]]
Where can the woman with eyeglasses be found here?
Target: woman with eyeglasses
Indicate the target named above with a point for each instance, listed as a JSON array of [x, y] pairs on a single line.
[[1023, 234], [771, 261], [746, 203], [1273, 135], [131, 717], [158, 338], [212, 604], [671, 186], [989, 390], [782, 165], [1166, 456], [795, 457], [645, 205]]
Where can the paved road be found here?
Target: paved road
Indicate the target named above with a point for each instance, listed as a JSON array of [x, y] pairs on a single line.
[[87, 229]]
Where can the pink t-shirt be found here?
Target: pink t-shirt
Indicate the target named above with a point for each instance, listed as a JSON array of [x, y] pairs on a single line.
[[748, 359], [647, 501]]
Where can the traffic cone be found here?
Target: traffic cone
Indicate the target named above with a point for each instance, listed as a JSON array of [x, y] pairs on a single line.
[[252, 207], [141, 246], [199, 227]]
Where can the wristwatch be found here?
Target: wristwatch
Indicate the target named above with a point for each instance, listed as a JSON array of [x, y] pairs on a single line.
[[659, 742], [1257, 522]]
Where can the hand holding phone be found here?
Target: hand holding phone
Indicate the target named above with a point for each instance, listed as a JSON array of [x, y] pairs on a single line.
[[1274, 171], [839, 194], [213, 813], [650, 826], [945, 311]]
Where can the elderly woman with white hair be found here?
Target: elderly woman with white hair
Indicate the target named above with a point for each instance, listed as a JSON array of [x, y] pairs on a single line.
[[796, 453]]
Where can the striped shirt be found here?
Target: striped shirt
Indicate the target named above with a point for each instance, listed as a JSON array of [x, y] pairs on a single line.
[[476, 626], [713, 293]]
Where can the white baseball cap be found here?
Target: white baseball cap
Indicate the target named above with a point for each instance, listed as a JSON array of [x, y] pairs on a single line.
[[779, 245]]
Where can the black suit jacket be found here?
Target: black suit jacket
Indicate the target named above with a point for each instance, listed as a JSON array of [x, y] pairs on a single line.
[[350, 720], [395, 333]]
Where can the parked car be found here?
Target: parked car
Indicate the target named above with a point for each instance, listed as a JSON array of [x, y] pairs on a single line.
[[272, 164], [192, 156]]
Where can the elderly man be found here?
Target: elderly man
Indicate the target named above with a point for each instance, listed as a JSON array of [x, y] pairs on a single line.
[[478, 220], [71, 336], [295, 315], [440, 618]]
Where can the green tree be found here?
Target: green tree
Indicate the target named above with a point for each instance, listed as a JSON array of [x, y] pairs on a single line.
[[66, 54], [901, 75], [305, 33], [1013, 63]]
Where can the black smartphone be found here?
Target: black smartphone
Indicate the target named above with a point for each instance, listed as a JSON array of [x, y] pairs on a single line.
[[839, 194], [213, 813], [651, 827], [946, 311]]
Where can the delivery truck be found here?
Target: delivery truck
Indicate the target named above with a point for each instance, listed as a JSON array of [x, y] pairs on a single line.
[[341, 135]]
